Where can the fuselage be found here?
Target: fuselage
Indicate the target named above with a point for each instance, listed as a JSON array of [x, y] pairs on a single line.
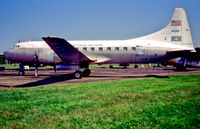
[[112, 51]]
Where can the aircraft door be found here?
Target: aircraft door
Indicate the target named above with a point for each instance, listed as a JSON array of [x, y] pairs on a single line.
[[139, 54], [139, 50]]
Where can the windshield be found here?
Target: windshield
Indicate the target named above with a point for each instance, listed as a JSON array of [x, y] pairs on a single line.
[[16, 46]]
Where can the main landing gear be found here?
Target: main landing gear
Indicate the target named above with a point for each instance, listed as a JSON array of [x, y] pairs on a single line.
[[181, 65], [78, 74]]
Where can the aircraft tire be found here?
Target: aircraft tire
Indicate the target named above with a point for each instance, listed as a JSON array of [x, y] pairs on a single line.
[[21, 73], [181, 68], [78, 75], [86, 72]]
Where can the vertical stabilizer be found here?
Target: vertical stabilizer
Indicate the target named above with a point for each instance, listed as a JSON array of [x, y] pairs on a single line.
[[176, 32]]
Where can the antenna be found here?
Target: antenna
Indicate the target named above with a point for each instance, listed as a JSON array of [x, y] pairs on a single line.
[[180, 3]]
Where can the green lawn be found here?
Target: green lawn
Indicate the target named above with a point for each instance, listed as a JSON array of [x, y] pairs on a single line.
[[16, 67], [142, 103], [10, 66]]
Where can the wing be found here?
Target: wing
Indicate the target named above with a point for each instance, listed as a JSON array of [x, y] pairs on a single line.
[[68, 53]]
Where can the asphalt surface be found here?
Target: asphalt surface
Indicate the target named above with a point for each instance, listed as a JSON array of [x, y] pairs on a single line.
[[10, 78]]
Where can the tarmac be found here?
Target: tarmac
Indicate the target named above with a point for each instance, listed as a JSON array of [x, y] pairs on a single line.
[[10, 78]]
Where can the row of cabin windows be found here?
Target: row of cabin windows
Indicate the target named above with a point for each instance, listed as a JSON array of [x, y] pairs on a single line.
[[108, 48]]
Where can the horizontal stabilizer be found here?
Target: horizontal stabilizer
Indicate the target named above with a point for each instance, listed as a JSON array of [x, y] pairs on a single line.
[[192, 56], [178, 53], [68, 53]]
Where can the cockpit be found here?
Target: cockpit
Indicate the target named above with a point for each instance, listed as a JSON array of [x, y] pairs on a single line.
[[16, 46]]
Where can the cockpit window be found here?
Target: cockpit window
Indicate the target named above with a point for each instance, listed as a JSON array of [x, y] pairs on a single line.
[[16, 46]]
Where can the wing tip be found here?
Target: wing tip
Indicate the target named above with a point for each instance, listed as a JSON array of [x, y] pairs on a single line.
[[51, 37]]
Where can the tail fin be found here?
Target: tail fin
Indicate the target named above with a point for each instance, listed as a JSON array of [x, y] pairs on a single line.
[[176, 32]]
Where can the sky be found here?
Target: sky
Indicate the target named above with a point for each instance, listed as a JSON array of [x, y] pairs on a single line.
[[89, 19]]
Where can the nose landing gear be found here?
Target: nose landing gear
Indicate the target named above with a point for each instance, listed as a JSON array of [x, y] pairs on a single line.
[[21, 70]]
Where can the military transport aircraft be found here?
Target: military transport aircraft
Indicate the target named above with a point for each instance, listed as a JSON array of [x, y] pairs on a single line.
[[171, 42]]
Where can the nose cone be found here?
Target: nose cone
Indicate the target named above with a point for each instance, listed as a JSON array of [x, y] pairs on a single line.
[[5, 54], [8, 54]]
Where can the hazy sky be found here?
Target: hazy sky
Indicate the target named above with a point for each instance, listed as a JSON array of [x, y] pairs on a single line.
[[89, 19]]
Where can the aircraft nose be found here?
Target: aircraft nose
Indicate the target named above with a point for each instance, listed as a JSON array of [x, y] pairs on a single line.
[[7, 54]]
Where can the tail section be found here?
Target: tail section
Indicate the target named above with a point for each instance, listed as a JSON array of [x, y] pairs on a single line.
[[176, 32]]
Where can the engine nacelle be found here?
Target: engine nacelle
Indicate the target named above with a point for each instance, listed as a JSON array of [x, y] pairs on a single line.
[[65, 67]]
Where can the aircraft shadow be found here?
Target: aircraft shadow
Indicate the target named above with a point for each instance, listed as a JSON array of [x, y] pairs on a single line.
[[65, 77], [48, 80], [146, 76]]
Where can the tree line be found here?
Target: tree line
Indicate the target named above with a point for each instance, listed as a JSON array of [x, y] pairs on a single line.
[[3, 60]]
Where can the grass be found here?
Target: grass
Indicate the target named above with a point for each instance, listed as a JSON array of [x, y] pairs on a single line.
[[10, 66], [16, 67], [144, 103]]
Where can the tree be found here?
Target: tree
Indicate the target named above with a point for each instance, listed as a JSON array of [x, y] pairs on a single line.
[[2, 59]]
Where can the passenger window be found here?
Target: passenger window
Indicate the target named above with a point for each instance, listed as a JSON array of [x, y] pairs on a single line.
[[133, 48], [100, 49], [125, 48], [117, 48], [92, 48], [85, 49], [109, 48]]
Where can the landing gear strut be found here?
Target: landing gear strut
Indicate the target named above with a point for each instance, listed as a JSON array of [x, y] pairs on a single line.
[[36, 64], [21, 70], [36, 70]]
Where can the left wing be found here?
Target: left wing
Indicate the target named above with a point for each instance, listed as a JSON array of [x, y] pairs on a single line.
[[68, 53]]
